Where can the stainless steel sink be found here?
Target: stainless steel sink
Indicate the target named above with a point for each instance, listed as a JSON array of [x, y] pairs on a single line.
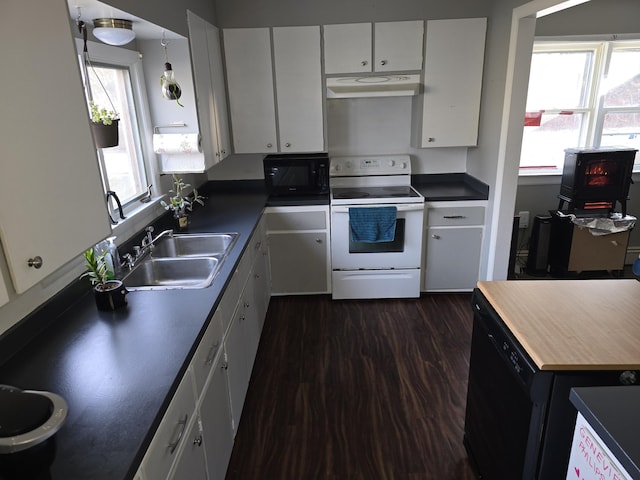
[[174, 261], [193, 245], [172, 273]]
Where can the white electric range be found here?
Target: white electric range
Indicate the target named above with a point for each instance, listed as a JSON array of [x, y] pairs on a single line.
[[380, 268]]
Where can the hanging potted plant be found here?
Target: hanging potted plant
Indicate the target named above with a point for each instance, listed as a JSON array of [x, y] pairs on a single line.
[[109, 293], [181, 204], [104, 124]]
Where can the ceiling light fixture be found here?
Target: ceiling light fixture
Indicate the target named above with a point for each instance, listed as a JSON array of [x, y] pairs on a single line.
[[113, 31]]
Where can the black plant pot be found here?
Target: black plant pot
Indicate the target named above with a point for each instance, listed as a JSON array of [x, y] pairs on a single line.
[[105, 136], [111, 295]]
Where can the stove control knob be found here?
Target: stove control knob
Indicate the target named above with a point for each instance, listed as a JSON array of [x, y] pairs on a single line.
[[337, 167], [348, 165], [404, 165], [392, 163]]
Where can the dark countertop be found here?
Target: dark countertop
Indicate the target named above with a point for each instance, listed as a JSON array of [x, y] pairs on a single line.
[[614, 414], [118, 370], [450, 186]]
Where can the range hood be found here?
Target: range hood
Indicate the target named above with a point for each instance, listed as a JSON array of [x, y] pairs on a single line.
[[373, 86]]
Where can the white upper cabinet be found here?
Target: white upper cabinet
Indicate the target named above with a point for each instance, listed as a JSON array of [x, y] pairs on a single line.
[[250, 80], [299, 88], [447, 113], [393, 46], [252, 87], [347, 48], [398, 46], [206, 60], [53, 204]]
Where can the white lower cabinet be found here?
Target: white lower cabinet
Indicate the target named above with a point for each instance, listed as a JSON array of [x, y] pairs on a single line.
[[215, 413], [453, 243], [195, 437], [299, 249]]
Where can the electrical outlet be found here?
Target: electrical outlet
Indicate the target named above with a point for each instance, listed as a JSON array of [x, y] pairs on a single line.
[[524, 219]]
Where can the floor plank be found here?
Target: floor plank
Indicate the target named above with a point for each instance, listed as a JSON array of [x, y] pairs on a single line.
[[357, 389]]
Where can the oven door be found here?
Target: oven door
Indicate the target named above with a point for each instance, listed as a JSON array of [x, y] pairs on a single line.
[[401, 253]]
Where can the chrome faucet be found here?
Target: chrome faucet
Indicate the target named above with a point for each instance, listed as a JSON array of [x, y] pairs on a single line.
[[146, 246]]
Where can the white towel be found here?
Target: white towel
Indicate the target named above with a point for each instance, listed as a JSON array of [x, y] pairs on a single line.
[[171, 143]]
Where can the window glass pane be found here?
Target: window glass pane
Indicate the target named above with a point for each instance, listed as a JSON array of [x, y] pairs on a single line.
[[122, 165], [559, 80], [543, 146], [622, 86], [621, 129]]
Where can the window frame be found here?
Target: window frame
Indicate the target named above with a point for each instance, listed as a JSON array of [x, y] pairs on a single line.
[[595, 110], [106, 55]]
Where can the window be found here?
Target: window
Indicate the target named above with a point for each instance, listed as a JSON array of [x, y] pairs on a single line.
[[580, 94], [114, 77]]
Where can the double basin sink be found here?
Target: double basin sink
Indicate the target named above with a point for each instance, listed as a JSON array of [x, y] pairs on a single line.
[[180, 261]]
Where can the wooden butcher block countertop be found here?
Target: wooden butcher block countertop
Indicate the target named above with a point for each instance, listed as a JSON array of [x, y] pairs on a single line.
[[572, 324]]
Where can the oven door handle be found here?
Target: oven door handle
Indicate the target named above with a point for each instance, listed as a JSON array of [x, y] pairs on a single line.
[[408, 207]]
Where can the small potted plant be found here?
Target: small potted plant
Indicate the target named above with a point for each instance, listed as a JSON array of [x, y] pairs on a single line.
[[104, 124], [108, 291], [181, 204]]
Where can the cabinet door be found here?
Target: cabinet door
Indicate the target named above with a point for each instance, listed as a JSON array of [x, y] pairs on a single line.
[[297, 66], [237, 368], [448, 110], [398, 46], [251, 94], [216, 423], [219, 91], [4, 295], [452, 258], [191, 462], [298, 262], [53, 204], [203, 83], [252, 324], [347, 48]]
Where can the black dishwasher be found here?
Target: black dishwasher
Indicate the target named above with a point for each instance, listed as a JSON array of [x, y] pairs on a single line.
[[519, 420]]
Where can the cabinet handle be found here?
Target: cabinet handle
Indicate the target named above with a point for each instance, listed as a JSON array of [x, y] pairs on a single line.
[[224, 366], [364, 63], [246, 305], [269, 145], [242, 318], [35, 262], [437, 237], [383, 62], [318, 240], [224, 152], [212, 353], [454, 217], [217, 154], [431, 139], [287, 144], [198, 441], [174, 445]]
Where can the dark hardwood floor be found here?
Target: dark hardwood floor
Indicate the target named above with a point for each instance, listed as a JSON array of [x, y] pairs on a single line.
[[357, 389]]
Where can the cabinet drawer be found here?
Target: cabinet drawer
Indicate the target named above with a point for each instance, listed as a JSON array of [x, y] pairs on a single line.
[[207, 351], [316, 220], [454, 216], [171, 432]]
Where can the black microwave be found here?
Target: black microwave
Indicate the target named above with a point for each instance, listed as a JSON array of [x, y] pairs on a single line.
[[297, 174]]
